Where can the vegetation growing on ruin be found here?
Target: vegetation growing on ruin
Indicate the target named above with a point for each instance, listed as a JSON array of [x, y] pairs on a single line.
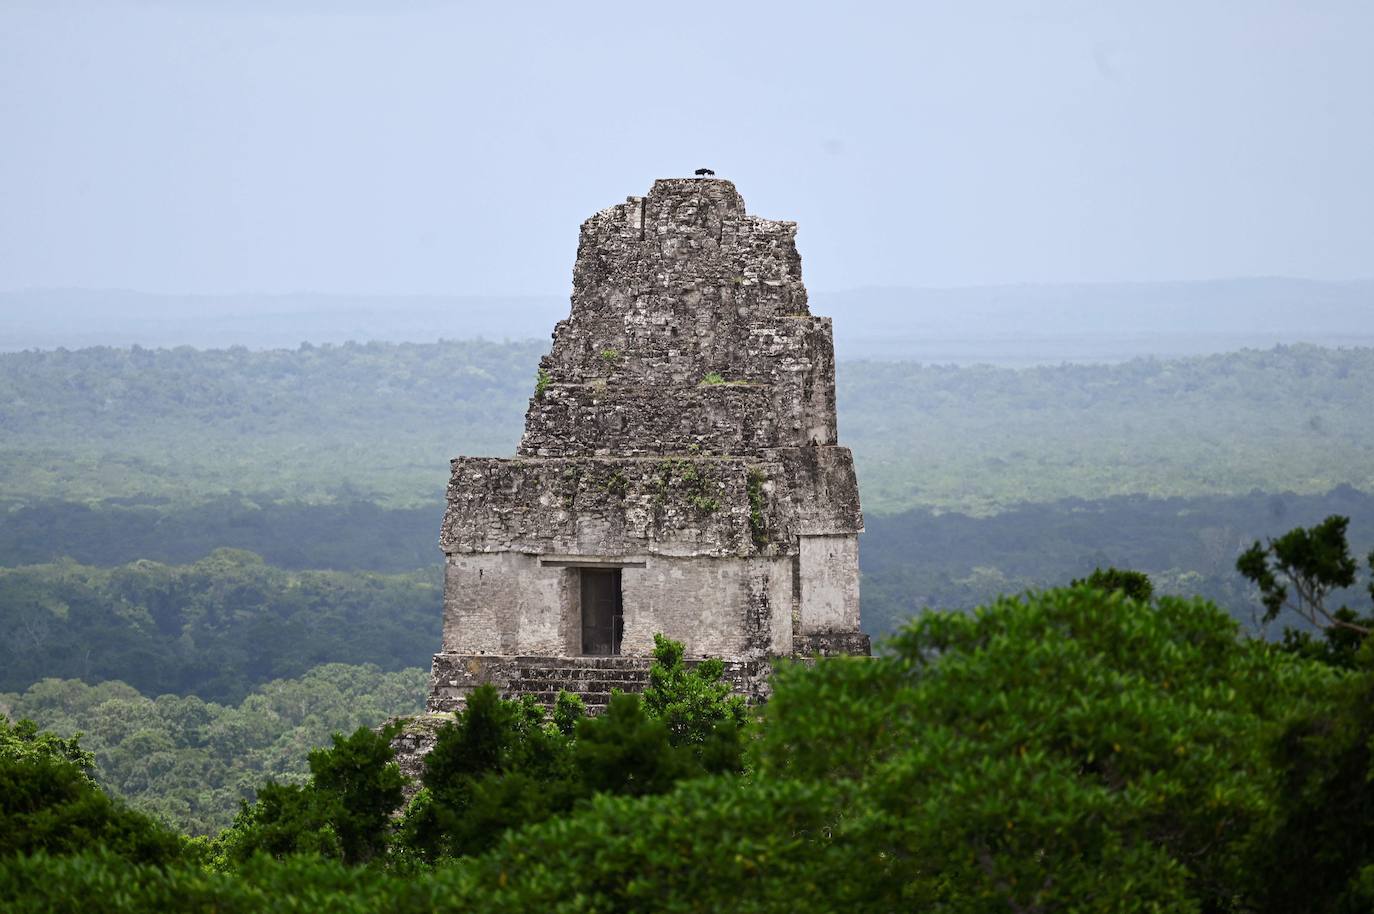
[[679, 478], [706, 504], [616, 483], [572, 482], [715, 379]]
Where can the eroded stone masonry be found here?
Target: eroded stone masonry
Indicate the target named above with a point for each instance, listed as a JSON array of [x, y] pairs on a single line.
[[679, 470]]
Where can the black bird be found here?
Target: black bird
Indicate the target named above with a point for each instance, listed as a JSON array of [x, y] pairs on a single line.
[[703, 172]]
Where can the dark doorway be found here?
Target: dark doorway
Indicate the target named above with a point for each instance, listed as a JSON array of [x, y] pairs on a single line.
[[602, 611]]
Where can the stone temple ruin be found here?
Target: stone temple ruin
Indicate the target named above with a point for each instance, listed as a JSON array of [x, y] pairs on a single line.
[[679, 471]]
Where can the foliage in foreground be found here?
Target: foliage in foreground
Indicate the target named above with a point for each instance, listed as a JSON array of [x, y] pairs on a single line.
[[500, 765], [50, 805], [1074, 750]]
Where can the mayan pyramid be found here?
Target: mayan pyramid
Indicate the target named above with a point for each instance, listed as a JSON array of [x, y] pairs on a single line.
[[679, 472]]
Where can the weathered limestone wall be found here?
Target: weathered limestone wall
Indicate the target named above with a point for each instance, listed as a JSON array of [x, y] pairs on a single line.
[[735, 608], [509, 604], [664, 506], [721, 419], [829, 584], [769, 390]]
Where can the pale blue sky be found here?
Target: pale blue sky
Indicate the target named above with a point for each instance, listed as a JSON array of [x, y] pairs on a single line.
[[453, 147]]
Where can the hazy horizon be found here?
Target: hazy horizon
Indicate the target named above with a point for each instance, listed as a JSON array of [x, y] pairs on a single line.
[[1005, 325]]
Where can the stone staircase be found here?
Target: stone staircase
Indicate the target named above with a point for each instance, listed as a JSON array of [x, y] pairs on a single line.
[[592, 679]]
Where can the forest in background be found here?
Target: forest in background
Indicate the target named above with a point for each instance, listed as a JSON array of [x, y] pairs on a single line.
[[187, 525], [306, 584], [379, 422], [190, 762]]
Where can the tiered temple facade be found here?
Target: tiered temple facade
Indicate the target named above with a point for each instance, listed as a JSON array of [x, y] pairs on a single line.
[[679, 471]]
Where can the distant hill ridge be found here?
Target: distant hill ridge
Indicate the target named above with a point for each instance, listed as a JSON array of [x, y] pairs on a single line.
[[1005, 325]]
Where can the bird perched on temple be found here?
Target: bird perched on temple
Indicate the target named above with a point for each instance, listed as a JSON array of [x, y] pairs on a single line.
[[703, 172]]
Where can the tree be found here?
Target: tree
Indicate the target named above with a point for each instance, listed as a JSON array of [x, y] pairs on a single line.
[[345, 810], [49, 803], [1067, 750], [1319, 853], [189, 762], [1299, 571], [23, 740], [1134, 584], [625, 751], [697, 705], [501, 765], [359, 786], [284, 819]]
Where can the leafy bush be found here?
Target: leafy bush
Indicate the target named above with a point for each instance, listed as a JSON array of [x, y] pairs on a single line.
[[1318, 854], [344, 811], [1133, 584], [1077, 750], [49, 804], [697, 705]]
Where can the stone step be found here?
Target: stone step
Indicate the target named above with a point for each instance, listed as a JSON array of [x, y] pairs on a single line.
[[584, 675], [580, 663], [589, 699], [592, 679], [553, 688], [579, 682]]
